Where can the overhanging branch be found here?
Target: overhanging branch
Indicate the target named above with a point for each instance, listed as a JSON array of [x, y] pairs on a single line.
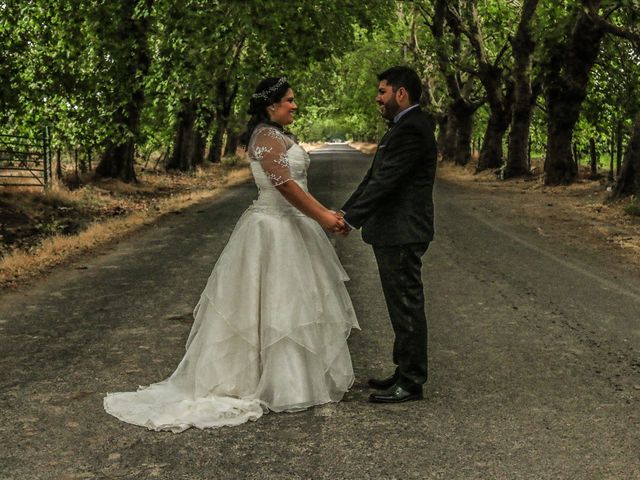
[[609, 27]]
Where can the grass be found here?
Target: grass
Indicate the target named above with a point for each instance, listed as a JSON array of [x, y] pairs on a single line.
[[231, 160], [633, 208], [42, 229]]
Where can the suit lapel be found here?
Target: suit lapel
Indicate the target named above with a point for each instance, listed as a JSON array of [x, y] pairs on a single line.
[[382, 143], [385, 137]]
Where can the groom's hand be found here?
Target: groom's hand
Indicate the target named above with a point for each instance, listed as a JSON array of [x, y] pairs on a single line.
[[346, 229], [336, 225]]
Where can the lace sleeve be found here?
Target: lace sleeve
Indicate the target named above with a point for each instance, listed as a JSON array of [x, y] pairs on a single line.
[[268, 146]]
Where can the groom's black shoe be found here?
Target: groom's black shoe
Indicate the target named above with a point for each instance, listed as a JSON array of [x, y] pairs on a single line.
[[395, 394], [383, 383]]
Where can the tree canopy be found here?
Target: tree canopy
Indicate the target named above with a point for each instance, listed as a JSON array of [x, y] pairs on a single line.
[[125, 79]]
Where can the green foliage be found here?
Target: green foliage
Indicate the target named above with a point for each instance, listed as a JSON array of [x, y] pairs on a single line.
[[67, 63], [337, 96]]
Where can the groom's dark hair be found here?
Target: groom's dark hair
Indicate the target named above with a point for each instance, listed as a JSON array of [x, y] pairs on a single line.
[[401, 76]]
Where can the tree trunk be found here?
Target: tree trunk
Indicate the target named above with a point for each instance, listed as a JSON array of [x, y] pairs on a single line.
[[82, 162], [117, 161], [619, 139], [565, 90], [223, 111], [559, 147], [629, 181], [463, 138], [612, 153], [523, 46], [188, 148], [216, 145], [200, 145], [441, 141], [449, 136], [457, 136], [593, 155], [458, 133], [518, 150], [491, 151], [498, 94], [58, 164], [233, 140]]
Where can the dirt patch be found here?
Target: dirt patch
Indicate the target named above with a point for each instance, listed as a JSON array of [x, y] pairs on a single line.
[[39, 230], [580, 214], [367, 148], [26, 218], [309, 147]]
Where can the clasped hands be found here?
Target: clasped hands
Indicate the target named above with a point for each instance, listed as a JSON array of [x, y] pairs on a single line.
[[337, 224]]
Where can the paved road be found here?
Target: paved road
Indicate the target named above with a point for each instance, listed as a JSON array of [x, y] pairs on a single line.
[[534, 358]]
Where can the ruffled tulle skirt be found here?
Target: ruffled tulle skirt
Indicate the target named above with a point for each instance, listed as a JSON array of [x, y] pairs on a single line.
[[270, 332]]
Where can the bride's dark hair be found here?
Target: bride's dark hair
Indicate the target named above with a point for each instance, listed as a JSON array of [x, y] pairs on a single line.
[[269, 91]]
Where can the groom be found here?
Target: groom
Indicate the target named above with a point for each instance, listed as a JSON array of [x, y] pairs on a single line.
[[393, 204]]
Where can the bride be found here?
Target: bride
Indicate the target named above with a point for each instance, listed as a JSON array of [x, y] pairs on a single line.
[[270, 330]]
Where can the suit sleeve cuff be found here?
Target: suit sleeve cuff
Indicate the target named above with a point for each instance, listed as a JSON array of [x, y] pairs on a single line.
[[345, 221]]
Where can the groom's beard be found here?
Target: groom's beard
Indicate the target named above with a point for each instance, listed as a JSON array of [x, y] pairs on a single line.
[[390, 109]]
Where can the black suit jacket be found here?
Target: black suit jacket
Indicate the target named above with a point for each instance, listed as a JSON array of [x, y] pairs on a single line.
[[394, 204]]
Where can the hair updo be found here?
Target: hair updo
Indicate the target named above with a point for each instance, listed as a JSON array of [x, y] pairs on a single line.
[[269, 91]]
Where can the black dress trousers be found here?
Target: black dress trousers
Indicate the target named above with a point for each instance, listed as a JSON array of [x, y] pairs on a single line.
[[400, 268]]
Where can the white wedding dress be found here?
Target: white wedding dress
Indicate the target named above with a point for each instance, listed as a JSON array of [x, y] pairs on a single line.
[[270, 330]]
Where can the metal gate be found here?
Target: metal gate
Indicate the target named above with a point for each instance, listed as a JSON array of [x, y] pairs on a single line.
[[25, 161]]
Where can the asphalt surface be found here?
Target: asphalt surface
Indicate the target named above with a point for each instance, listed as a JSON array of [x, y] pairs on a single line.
[[534, 352]]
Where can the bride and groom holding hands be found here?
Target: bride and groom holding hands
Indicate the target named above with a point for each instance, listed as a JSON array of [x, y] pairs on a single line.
[[270, 329]]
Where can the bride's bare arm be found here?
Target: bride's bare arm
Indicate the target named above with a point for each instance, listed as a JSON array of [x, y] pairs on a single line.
[[270, 148], [308, 205]]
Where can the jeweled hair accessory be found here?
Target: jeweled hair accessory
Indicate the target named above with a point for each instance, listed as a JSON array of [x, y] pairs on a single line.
[[265, 94]]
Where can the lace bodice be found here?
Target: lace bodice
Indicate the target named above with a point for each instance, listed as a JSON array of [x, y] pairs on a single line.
[[275, 160]]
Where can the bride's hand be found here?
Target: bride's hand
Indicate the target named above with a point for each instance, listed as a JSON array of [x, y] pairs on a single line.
[[331, 221]]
